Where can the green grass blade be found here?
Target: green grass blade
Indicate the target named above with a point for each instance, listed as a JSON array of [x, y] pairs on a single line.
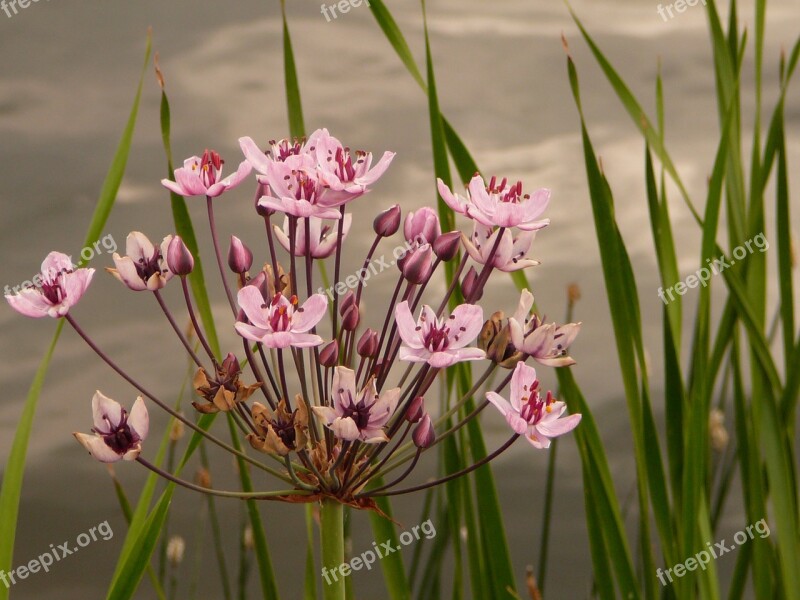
[[294, 106], [394, 572]]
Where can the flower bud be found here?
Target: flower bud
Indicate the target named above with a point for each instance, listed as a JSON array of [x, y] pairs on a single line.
[[262, 211], [388, 222], [424, 435], [348, 300], [469, 284], [422, 225], [203, 478], [415, 410], [175, 550], [416, 266], [351, 318], [240, 259], [329, 355], [446, 245], [179, 259], [230, 366], [368, 343]]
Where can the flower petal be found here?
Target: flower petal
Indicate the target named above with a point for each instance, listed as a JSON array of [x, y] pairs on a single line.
[[407, 326], [97, 447], [308, 315], [106, 413], [464, 323], [139, 419], [559, 426], [252, 303]]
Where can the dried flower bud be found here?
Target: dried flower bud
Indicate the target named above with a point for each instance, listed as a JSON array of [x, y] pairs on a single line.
[[247, 538], [329, 355], [240, 259], [368, 344], [179, 259], [446, 245], [424, 435], [177, 430], [203, 478], [351, 318], [388, 222], [415, 410], [469, 284], [416, 266], [573, 293], [423, 224]]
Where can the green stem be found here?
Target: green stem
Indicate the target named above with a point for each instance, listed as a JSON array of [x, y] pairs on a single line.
[[332, 534]]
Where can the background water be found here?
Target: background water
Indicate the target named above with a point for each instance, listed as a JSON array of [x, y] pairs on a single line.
[[66, 81]]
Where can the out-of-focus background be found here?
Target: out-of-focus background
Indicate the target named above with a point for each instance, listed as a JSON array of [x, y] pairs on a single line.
[[67, 77]]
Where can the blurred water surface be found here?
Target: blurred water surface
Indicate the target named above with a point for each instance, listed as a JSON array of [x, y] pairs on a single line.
[[66, 81]]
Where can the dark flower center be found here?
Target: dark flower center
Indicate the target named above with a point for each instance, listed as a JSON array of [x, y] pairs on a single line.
[[359, 412], [120, 438], [53, 288], [210, 165], [146, 267]]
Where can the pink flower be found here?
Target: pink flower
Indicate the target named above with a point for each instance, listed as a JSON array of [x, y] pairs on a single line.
[[510, 254], [201, 176], [280, 323], [527, 414], [499, 205], [546, 343], [439, 343], [296, 191], [345, 174], [61, 288], [358, 415], [323, 237], [279, 151], [117, 434], [145, 267]]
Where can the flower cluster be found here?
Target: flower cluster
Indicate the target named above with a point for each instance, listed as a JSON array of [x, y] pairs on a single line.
[[332, 407]]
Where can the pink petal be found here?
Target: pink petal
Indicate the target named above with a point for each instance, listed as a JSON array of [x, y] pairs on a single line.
[[126, 273], [326, 413], [524, 306], [137, 245], [499, 402], [465, 323], [379, 169], [532, 208], [98, 448], [281, 235], [305, 340], [326, 247], [54, 263], [452, 200], [173, 187], [309, 314], [254, 155], [106, 413], [406, 326], [250, 332], [345, 429], [251, 302], [413, 354], [75, 285], [559, 426], [189, 182], [561, 361], [234, 179], [343, 386], [139, 419], [29, 302], [521, 382]]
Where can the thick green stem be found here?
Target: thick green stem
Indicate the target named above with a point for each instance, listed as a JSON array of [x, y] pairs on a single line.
[[332, 533]]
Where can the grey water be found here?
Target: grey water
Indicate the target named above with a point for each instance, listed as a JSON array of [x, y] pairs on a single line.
[[67, 77]]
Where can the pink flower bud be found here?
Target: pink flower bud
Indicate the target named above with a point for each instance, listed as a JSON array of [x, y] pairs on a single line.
[[350, 318], [346, 302], [368, 343], [415, 410], [424, 435], [240, 259], [446, 245], [468, 285], [424, 224], [179, 259], [329, 355], [416, 265], [388, 222]]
